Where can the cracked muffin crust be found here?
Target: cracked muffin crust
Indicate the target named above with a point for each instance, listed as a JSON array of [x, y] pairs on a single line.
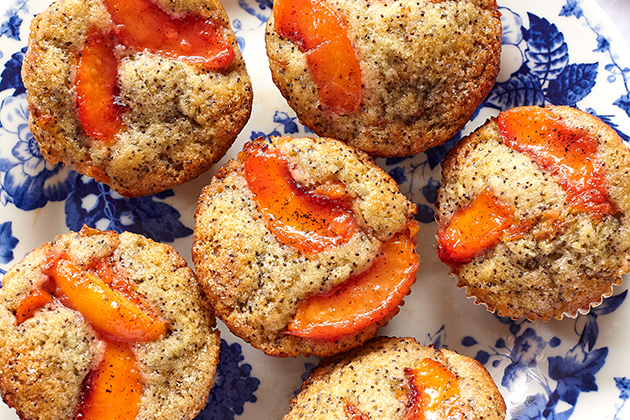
[[565, 236], [257, 279], [174, 118], [50, 354], [424, 68]]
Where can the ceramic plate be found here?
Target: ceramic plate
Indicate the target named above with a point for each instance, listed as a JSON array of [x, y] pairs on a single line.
[[555, 51]]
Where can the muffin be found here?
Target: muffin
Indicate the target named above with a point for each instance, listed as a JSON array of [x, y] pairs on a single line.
[[99, 322], [397, 378], [532, 212], [392, 78], [304, 246], [115, 95]]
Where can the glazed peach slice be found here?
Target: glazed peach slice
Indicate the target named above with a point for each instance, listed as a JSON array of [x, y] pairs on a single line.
[[37, 299], [568, 153], [433, 392], [142, 25], [113, 389], [364, 300], [96, 85], [307, 221], [323, 35], [474, 228], [115, 316]]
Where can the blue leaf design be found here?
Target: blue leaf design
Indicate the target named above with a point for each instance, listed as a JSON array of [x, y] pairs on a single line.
[[425, 214], [554, 342], [610, 304], [624, 103], [287, 121], [398, 174], [589, 335], [547, 53], [575, 373], [241, 43], [482, 357], [572, 85], [233, 387], [500, 344], [436, 154], [521, 89], [95, 205], [11, 77], [395, 160], [8, 242], [11, 27], [429, 191], [468, 341]]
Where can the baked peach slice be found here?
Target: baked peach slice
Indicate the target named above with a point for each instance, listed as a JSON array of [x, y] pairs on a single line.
[[112, 314], [568, 153], [306, 220], [143, 26], [113, 389], [475, 228], [36, 300], [323, 35], [97, 88], [364, 300], [433, 392]]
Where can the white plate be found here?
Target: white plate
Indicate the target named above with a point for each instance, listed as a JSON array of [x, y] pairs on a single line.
[[574, 369]]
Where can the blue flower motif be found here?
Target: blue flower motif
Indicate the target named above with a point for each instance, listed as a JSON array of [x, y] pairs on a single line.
[[398, 174], [603, 44], [264, 5], [623, 384], [289, 124], [7, 243], [10, 78], [29, 181], [11, 28], [524, 355], [97, 206], [572, 8], [532, 408], [233, 386], [429, 191]]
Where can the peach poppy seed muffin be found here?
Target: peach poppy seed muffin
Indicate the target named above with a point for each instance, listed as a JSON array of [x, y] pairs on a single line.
[[291, 239], [111, 98], [533, 212], [392, 78], [397, 378], [94, 299]]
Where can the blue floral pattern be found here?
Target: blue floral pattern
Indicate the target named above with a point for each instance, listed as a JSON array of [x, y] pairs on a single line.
[[233, 386], [7, 244], [573, 373], [544, 372]]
